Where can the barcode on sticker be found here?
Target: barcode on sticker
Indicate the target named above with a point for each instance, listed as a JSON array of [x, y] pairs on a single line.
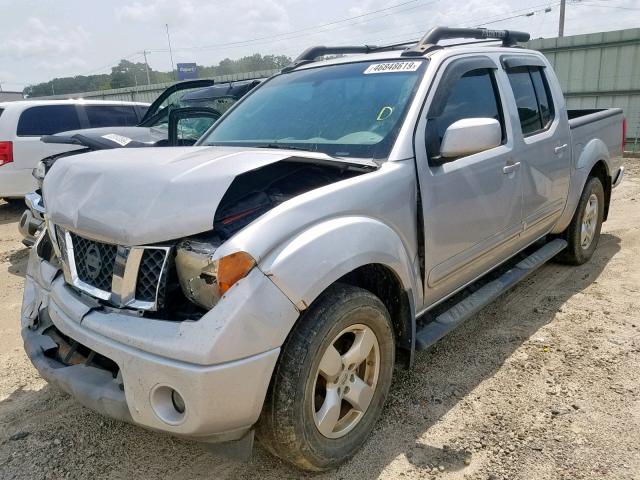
[[392, 67]]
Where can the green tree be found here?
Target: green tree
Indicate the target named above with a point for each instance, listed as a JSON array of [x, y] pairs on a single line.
[[129, 74]]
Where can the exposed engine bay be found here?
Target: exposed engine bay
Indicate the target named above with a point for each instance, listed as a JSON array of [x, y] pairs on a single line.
[[254, 193]]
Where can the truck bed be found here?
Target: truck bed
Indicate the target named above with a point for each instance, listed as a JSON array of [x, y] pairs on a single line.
[[605, 125], [579, 117]]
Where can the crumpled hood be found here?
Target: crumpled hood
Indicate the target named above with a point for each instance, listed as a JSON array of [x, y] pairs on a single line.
[[149, 195]]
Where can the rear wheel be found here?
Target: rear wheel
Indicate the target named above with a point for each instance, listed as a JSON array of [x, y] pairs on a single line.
[[583, 232], [331, 380]]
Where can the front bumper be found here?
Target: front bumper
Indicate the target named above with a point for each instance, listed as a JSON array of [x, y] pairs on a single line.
[[222, 401]]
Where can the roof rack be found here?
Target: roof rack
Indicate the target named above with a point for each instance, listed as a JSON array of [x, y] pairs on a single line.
[[310, 54], [423, 46], [429, 42]]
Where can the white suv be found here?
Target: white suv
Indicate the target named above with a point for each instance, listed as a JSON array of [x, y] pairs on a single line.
[[22, 124]]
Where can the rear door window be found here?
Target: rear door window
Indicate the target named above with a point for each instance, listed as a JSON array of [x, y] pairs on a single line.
[[47, 120], [110, 115], [533, 99], [545, 101], [526, 101]]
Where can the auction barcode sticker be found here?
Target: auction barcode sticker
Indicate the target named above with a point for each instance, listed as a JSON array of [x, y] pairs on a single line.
[[119, 139], [392, 67]]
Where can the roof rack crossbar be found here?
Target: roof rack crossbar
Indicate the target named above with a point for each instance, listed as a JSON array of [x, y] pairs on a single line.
[[310, 54], [318, 51], [429, 42]]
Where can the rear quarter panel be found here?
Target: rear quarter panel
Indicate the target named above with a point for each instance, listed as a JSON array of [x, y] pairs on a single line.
[[593, 139]]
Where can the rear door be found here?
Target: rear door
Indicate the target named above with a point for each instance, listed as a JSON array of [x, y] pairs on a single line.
[[472, 205], [543, 136]]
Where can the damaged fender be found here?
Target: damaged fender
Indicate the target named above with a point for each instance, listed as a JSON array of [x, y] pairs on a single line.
[[327, 249]]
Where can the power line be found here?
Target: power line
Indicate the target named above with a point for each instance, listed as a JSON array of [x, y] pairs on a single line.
[[468, 22], [292, 34], [501, 17], [528, 14], [600, 5], [111, 64]]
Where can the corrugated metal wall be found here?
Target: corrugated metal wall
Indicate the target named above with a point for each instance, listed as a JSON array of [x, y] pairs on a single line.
[[599, 70], [148, 93]]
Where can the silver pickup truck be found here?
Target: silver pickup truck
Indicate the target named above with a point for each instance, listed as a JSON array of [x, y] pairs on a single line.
[[342, 216]]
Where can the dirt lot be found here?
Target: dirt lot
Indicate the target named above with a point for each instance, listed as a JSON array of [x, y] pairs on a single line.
[[544, 384]]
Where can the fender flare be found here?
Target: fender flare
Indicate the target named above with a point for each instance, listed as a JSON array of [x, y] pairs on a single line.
[[594, 151], [590, 154]]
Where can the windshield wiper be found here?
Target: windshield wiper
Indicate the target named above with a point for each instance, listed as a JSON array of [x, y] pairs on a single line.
[[284, 147]]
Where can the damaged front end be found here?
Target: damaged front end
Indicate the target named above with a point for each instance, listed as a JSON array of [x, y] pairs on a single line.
[[251, 195], [183, 278], [203, 279]]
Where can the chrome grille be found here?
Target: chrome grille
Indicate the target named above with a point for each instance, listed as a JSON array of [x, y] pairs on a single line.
[[94, 261], [131, 277]]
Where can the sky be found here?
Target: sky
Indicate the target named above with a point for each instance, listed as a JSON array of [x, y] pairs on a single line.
[[44, 39]]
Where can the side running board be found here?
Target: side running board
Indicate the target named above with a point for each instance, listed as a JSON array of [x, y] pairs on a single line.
[[473, 303]]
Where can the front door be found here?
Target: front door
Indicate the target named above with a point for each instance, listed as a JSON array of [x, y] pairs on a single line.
[[472, 205]]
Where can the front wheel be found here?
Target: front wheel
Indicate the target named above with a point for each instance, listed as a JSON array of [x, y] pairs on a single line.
[[331, 380], [583, 232]]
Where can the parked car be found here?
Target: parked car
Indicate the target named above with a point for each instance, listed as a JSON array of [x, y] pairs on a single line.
[[343, 215], [22, 123], [198, 97], [179, 116]]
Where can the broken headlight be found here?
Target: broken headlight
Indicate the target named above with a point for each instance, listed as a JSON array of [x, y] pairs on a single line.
[[39, 172], [203, 279]]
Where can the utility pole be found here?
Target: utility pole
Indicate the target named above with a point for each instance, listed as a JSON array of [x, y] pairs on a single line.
[[563, 4], [173, 68], [146, 65]]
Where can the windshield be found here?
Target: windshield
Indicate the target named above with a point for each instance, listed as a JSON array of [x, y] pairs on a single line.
[[348, 110]]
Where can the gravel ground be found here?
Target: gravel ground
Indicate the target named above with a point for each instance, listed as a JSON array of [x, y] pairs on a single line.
[[542, 384]]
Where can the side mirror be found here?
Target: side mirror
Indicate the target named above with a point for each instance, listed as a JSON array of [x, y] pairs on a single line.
[[469, 136], [199, 118]]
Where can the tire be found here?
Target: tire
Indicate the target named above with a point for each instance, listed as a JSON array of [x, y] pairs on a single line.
[[291, 420], [577, 252]]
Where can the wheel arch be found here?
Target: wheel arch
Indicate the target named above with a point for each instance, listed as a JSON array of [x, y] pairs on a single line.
[[601, 171], [384, 283], [358, 251]]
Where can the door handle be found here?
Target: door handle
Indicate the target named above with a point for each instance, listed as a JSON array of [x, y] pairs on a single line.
[[560, 148], [507, 169]]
